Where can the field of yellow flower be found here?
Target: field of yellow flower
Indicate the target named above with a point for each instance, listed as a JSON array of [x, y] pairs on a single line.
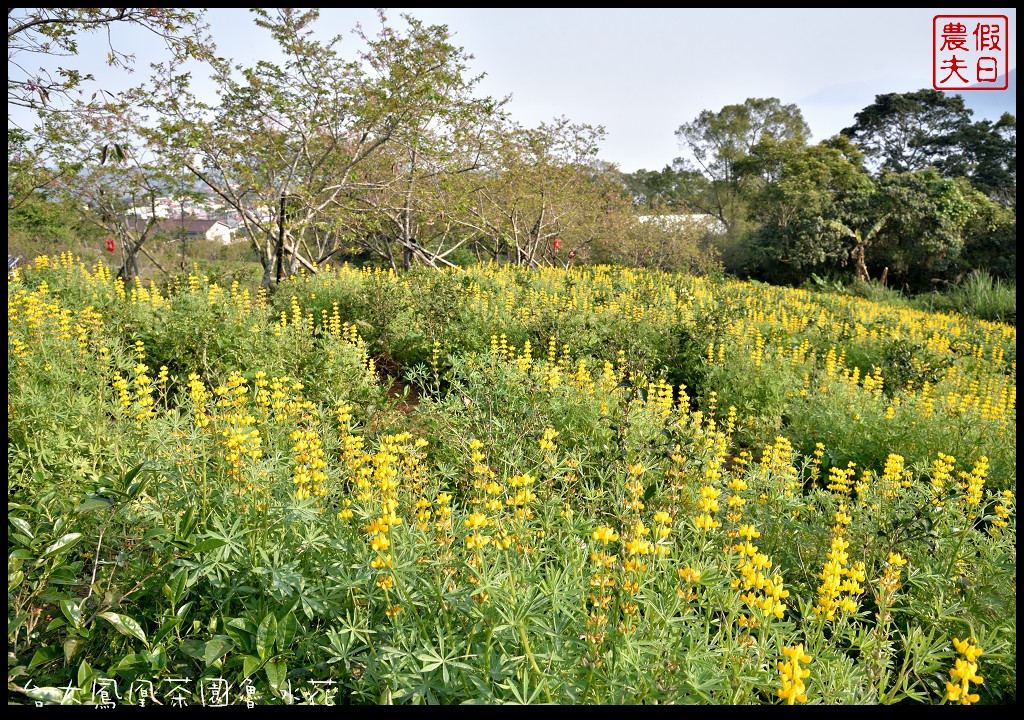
[[595, 485]]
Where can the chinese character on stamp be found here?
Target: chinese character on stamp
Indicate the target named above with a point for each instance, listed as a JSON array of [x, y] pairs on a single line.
[[970, 52]]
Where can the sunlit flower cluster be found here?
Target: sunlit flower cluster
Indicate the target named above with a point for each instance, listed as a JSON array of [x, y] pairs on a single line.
[[760, 590], [841, 582], [793, 675], [889, 583], [964, 673], [971, 483]]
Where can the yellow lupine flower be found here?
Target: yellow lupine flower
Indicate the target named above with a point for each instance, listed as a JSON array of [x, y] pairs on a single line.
[[964, 672], [792, 675], [476, 520], [967, 649], [689, 574]]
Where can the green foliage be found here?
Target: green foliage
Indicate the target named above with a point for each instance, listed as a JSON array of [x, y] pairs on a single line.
[[906, 366], [907, 132], [264, 514], [672, 243], [665, 189], [810, 202], [979, 295], [717, 146], [42, 225], [988, 157]]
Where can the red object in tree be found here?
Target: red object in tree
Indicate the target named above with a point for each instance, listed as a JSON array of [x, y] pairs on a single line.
[[557, 244], [110, 244]]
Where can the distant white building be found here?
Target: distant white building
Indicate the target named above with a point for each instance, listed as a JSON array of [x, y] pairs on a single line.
[[711, 223], [168, 207], [191, 228]]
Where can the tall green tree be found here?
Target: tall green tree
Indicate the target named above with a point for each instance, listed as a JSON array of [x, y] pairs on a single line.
[[541, 184], [990, 243], [446, 130], [716, 141], [929, 220], [665, 190], [668, 242], [309, 129], [118, 194], [813, 206], [39, 219], [986, 153], [904, 132]]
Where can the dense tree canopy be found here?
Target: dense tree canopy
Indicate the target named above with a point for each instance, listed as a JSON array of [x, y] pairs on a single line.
[[904, 132], [986, 153], [716, 142], [667, 189], [807, 199], [927, 220]]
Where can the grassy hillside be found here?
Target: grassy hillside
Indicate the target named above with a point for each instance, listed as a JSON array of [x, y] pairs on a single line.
[[599, 485]]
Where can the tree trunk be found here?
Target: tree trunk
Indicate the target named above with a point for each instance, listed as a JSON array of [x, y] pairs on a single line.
[[267, 280], [860, 269]]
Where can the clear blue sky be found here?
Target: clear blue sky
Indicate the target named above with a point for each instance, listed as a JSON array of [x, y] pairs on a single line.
[[643, 72]]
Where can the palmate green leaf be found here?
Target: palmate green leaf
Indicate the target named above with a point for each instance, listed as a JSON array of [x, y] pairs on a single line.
[[521, 691], [429, 659], [126, 625]]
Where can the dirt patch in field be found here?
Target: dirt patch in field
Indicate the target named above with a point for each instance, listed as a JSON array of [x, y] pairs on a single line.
[[405, 401], [389, 372]]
